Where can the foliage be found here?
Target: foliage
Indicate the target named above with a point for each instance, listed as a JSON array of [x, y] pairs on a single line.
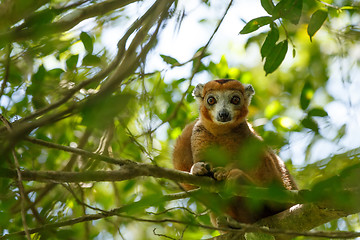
[[72, 104]]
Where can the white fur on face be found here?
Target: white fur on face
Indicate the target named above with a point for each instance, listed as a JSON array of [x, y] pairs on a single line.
[[223, 110]]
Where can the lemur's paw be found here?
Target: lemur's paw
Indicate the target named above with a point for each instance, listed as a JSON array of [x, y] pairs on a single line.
[[220, 173], [200, 169]]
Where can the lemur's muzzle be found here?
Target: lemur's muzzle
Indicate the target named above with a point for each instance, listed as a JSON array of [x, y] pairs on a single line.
[[224, 116]]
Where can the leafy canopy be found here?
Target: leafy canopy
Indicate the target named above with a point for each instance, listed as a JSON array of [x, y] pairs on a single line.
[[71, 106]]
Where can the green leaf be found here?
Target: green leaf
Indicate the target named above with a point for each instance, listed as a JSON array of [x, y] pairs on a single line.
[[55, 73], [317, 112], [99, 112], [316, 21], [255, 24], [268, 5], [72, 62], [307, 94], [169, 60], [289, 9], [276, 57], [91, 60], [87, 41], [270, 42], [311, 124], [37, 82]]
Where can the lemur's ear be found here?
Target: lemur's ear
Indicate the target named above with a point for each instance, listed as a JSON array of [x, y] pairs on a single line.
[[197, 93], [249, 90]]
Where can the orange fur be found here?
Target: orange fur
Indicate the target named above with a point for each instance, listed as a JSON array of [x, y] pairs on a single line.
[[231, 137]]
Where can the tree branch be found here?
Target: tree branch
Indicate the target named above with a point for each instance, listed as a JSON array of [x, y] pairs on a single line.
[[126, 172], [80, 151], [19, 181], [65, 23], [296, 221], [12, 11], [142, 204], [99, 76], [124, 69], [233, 234]]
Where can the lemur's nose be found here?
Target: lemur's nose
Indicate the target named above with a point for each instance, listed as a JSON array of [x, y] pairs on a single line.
[[224, 116]]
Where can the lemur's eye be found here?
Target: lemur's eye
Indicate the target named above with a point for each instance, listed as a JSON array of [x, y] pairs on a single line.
[[235, 100], [211, 100]]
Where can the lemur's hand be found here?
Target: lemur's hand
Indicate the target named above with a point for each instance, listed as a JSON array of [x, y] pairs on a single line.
[[220, 173], [200, 169]]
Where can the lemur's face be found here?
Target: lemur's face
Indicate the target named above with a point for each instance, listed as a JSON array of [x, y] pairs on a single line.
[[223, 102], [223, 106]]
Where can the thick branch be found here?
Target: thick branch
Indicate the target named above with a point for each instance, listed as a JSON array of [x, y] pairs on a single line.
[[124, 173], [297, 220]]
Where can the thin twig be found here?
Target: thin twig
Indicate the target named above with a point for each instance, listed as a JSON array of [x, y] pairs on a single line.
[[162, 235], [22, 195], [329, 5], [179, 208], [81, 152]]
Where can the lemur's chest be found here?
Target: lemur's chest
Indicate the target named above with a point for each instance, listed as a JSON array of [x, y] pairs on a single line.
[[206, 144], [230, 143]]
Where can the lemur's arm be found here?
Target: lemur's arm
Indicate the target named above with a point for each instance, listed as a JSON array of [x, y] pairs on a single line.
[[182, 154]]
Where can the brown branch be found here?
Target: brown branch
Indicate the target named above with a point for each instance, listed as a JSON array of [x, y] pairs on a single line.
[[124, 70], [22, 195], [131, 59], [65, 23], [99, 76], [296, 221], [135, 170], [126, 172]]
